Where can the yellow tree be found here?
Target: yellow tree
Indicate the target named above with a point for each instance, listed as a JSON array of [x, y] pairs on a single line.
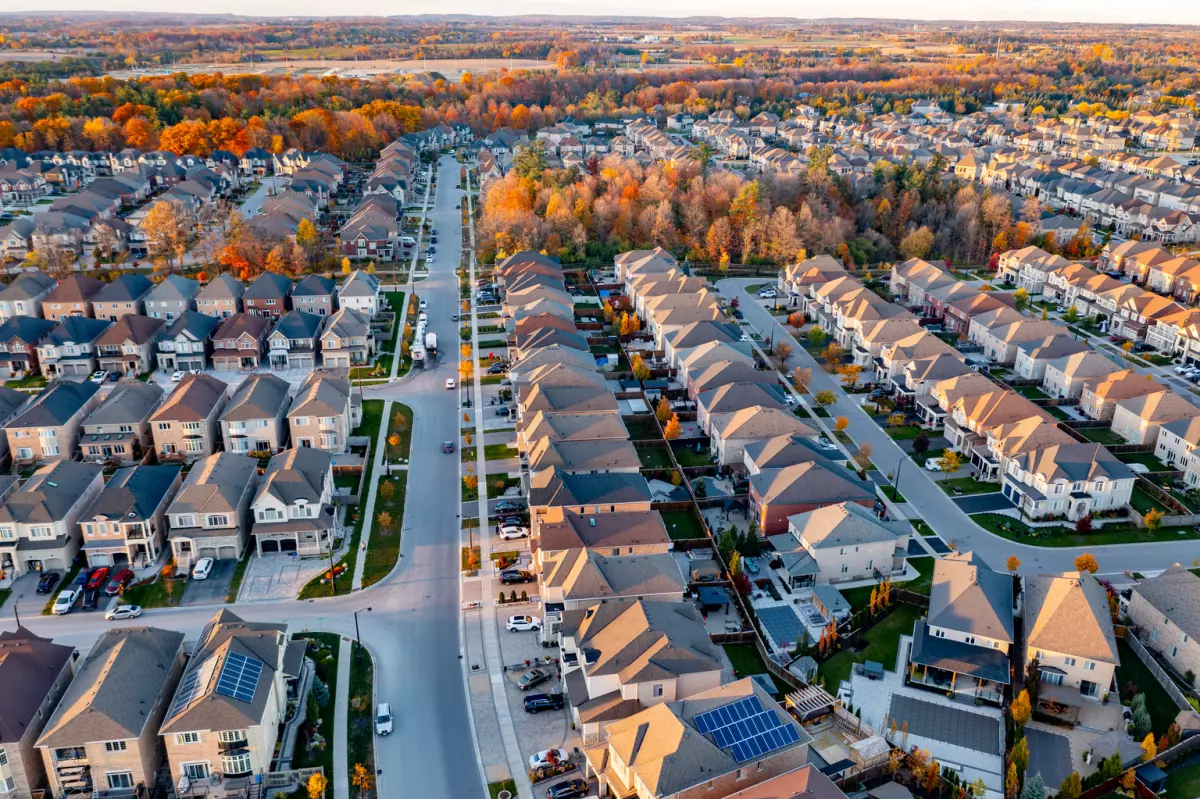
[[168, 229], [1012, 564], [1021, 709], [346, 269], [640, 370], [663, 410], [394, 442], [801, 377], [1149, 748], [1153, 519], [841, 423], [363, 779], [673, 430], [849, 373], [385, 522], [1087, 563], [950, 462], [863, 456], [466, 369], [316, 786]]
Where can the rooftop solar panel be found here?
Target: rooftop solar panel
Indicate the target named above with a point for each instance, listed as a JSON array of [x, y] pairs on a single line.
[[239, 677], [746, 729]]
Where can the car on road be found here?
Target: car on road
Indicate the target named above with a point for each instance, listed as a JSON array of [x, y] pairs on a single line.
[[429, 258], [383, 719], [119, 580], [503, 410], [48, 581], [547, 758], [177, 376], [433, 239], [447, 446], [515, 577], [508, 506], [424, 305], [96, 578], [737, 314], [568, 789], [65, 600], [932, 465], [745, 337], [123, 612], [531, 678], [422, 318], [536, 703], [449, 382], [202, 569], [512, 532], [522, 624], [98, 377]]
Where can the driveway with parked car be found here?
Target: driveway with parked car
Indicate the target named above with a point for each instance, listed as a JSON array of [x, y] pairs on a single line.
[[212, 589]]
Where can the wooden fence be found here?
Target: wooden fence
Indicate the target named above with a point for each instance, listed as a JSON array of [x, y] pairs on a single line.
[[1160, 674]]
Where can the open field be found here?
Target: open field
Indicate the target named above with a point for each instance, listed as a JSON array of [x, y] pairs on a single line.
[[451, 68], [31, 56]]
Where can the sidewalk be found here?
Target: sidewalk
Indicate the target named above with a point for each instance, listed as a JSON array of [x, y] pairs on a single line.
[[378, 447], [341, 727]]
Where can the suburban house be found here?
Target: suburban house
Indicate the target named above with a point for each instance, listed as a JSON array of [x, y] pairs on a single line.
[[361, 292], [124, 296], [36, 672], [119, 429], [24, 296], [267, 295], [185, 425], [962, 646], [239, 344], [253, 421], [209, 517], [103, 738], [730, 432], [347, 340], [1065, 377], [588, 492], [71, 297], [1138, 419], [226, 714], [1099, 397], [314, 294], [1166, 614], [38, 529], [776, 494], [619, 659], [292, 510], [1069, 633], [293, 342], [642, 755], [171, 298], [186, 344], [1068, 479], [12, 402], [71, 347], [578, 578], [221, 297], [128, 346], [1177, 441], [324, 412], [127, 524], [47, 429], [1034, 356], [839, 543], [630, 533], [20, 337]]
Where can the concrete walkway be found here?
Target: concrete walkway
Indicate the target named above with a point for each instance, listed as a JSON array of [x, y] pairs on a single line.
[[341, 725], [360, 563]]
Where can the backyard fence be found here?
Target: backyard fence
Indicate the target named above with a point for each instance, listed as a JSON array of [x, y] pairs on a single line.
[[1160, 674]]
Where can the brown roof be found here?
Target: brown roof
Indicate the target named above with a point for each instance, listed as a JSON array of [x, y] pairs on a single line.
[[1123, 385], [240, 323], [29, 666], [138, 329], [192, 400], [806, 782], [76, 288], [559, 529]]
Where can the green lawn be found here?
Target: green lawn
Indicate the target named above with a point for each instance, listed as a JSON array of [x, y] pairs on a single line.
[[1008, 527], [1162, 709], [745, 659], [499, 452], [683, 524], [346, 480], [31, 380], [1184, 783], [654, 458], [1057, 413], [155, 595], [5, 593], [1147, 459], [360, 723], [860, 597], [400, 424], [1142, 502], [494, 487], [494, 788], [642, 429], [921, 527], [383, 550], [239, 574], [1102, 435], [883, 644], [891, 493], [969, 485], [688, 456], [1031, 392], [905, 433], [921, 457]]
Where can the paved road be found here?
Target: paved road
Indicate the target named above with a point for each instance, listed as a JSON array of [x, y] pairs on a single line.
[[933, 505], [412, 629]]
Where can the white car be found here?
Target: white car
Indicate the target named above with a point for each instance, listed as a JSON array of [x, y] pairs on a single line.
[[66, 600], [177, 376], [383, 719], [511, 532], [202, 569], [826, 444], [123, 612], [422, 318], [1182, 368], [429, 258], [932, 465], [98, 377], [745, 337], [767, 294], [519, 624], [449, 382], [424, 304], [548, 757]]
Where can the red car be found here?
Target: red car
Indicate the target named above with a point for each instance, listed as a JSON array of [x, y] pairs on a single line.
[[118, 581], [96, 579]]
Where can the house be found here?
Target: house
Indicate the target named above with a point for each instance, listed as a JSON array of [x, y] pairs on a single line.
[[103, 737], [185, 426], [1074, 480], [71, 347], [1069, 635], [347, 340], [730, 432], [125, 295], [776, 494], [126, 525], [619, 659], [1034, 356], [698, 747], [1166, 614], [1099, 397], [267, 295], [38, 530], [253, 421], [171, 298], [1065, 377], [578, 578], [47, 429], [293, 342], [209, 517], [1176, 442], [24, 296], [240, 342], [12, 402], [129, 345], [119, 429], [35, 673], [361, 292], [599, 492], [221, 297], [628, 533], [962, 646], [324, 412], [186, 344], [315, 295], [20, 337], [226, 714], [292, 510], [840, 543], [1138, 419], [71, 297]]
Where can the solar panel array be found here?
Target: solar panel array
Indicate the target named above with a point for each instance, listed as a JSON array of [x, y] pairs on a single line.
[[239, 677], [745, 729], [194, 682]]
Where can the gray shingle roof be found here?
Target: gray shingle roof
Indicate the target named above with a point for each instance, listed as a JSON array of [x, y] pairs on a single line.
[[192, 400], [27, 329], [846, 524], [1176, 594], [296, 474], [29, 666], [260, 396], [321, 395], [124, 288], [77, 330], [174, 287], [313, 286], [215, 484], [222, 287], [969, 597], [268, 285], [134, 492], [55, 405], [50, 493], [196, 326], [298, 325], [563, 488], [1068, 613], [131, 402]]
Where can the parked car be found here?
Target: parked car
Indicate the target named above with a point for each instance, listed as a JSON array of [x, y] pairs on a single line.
[[536, 703], [547, 758], [531, 678], [503, 410], [47, 582], [383, 719], [508, 506], [81, 578], [424, 305], [91, 598], [65, 600], [122, 578], [123, 612], [511, 533], [113, 377], [932, 465], [825, 444], [515, 577], [96, 578], [202, 569], [177, 376], [568, 789], [98, 377], [449, 382], [497, 369], [447, 446], [523, 624]]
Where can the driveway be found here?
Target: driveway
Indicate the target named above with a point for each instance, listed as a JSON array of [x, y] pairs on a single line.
[[1049, 754], [983, 503], [210, 591]]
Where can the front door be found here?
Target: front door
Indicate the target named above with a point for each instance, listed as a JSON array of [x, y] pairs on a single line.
[[1088, 688]]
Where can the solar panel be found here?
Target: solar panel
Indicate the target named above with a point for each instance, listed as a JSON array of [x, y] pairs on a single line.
[[746, 729], [239, 677], [194, 682]]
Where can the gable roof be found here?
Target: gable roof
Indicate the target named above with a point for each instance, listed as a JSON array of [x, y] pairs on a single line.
[[131, 327], [193, 325], [321, 394], [215, 484], [55, 405], [969, 597], [50, 493], [192, 400], [1176, 594], [131, 402], [1068, 613], [29, 667], [124, 288], [77, 330], [296, 474], [559, 528], [222, 287], [845, 524], [260, 396], [268, 285]]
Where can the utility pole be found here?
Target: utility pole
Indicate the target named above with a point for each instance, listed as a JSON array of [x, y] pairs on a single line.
[[358, 635]]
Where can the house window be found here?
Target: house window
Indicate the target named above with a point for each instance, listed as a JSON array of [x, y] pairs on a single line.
[[114, 746], [236, 765], [1174, 650], [185, 521], [300, 420], [939, 633], [120, 779], [970, 639], [164, 426], [41, 532], [195, 445], [195, 771], [218, 521], [191, 426], [7, 532], [1089, 665], [1069, 661], [657, 691]]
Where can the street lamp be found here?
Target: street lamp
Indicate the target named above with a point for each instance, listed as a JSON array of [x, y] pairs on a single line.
[[357, 635], [896, 481]]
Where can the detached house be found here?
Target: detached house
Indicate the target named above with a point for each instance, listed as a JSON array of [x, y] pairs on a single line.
[[128, 346], [253, 421], [361, 292], [119, 429], [48, 428], [209, 517], [71, 347], [347, 340], [187, 344], [324, 412], [38, 523], [221, 297], [24, 296], [124, 296], [20, 337], [35, 673], [240, 342], [776, 494], [840, 543], [1069, 634], [293, 342], [315, 295], [171, 298], [1099, 397], [292, 510], [185, 426], [1138, 419], [267, 295], [127, 524], [1068, 479], [72, 297], [1166, 612]]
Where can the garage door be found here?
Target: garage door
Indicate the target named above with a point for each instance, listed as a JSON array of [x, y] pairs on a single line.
[[207, 552], [78, 369], [228, 553], [54, 564], [99, 559], [268, 545], [287, 545]]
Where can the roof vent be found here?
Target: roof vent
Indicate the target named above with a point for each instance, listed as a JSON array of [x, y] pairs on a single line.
[[592, 522]]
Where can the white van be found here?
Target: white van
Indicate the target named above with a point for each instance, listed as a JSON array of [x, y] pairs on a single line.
[[383, 719]]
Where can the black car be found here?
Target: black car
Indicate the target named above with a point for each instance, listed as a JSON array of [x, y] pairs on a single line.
[[47, 583], [536, 703], [497, 369], [503, 411], [91, 599], [737, 314], [512, 521], [514, 577], [569, 789], [508, 506]]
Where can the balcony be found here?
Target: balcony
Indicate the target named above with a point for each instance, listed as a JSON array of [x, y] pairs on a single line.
[[71, 756]]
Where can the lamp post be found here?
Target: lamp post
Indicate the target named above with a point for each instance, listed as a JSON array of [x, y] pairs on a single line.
[[358, 635], [896, 482]]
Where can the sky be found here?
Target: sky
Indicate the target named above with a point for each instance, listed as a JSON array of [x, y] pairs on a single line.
[[1122, 11]]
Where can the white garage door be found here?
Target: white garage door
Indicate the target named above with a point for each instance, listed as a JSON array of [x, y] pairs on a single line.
[[207, 552], [229, 553]]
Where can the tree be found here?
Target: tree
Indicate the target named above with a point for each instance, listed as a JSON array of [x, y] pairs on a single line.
[[530, 160], [1071, 786], [1087, 563], [663, 410], [832, 354], [466, 370], [703, 155], [825, 398], [1021, 709], [801, 377], [316, 786], [1020, 755], [165, 574], [394, 441], [387, 490], [917, 244], [1153, 519], [841, 423], [1149, 747], [672, 430], [385, 521], [816, 336], [307, 237], [782, 350], [346, 268], [1128, 779], [167, 227], [896, 420], [863, 456], [1021, 299], [1035, 787], [950, 462], [364, 780], [849, 373], [920, 444], [1012, 782], [1083, 524], [796, 320], [640, 370], [1071, 316], [1012, 564]]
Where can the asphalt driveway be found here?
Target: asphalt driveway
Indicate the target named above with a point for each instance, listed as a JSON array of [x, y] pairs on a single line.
[[210, 591], [983, 503], [1049, 754]]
